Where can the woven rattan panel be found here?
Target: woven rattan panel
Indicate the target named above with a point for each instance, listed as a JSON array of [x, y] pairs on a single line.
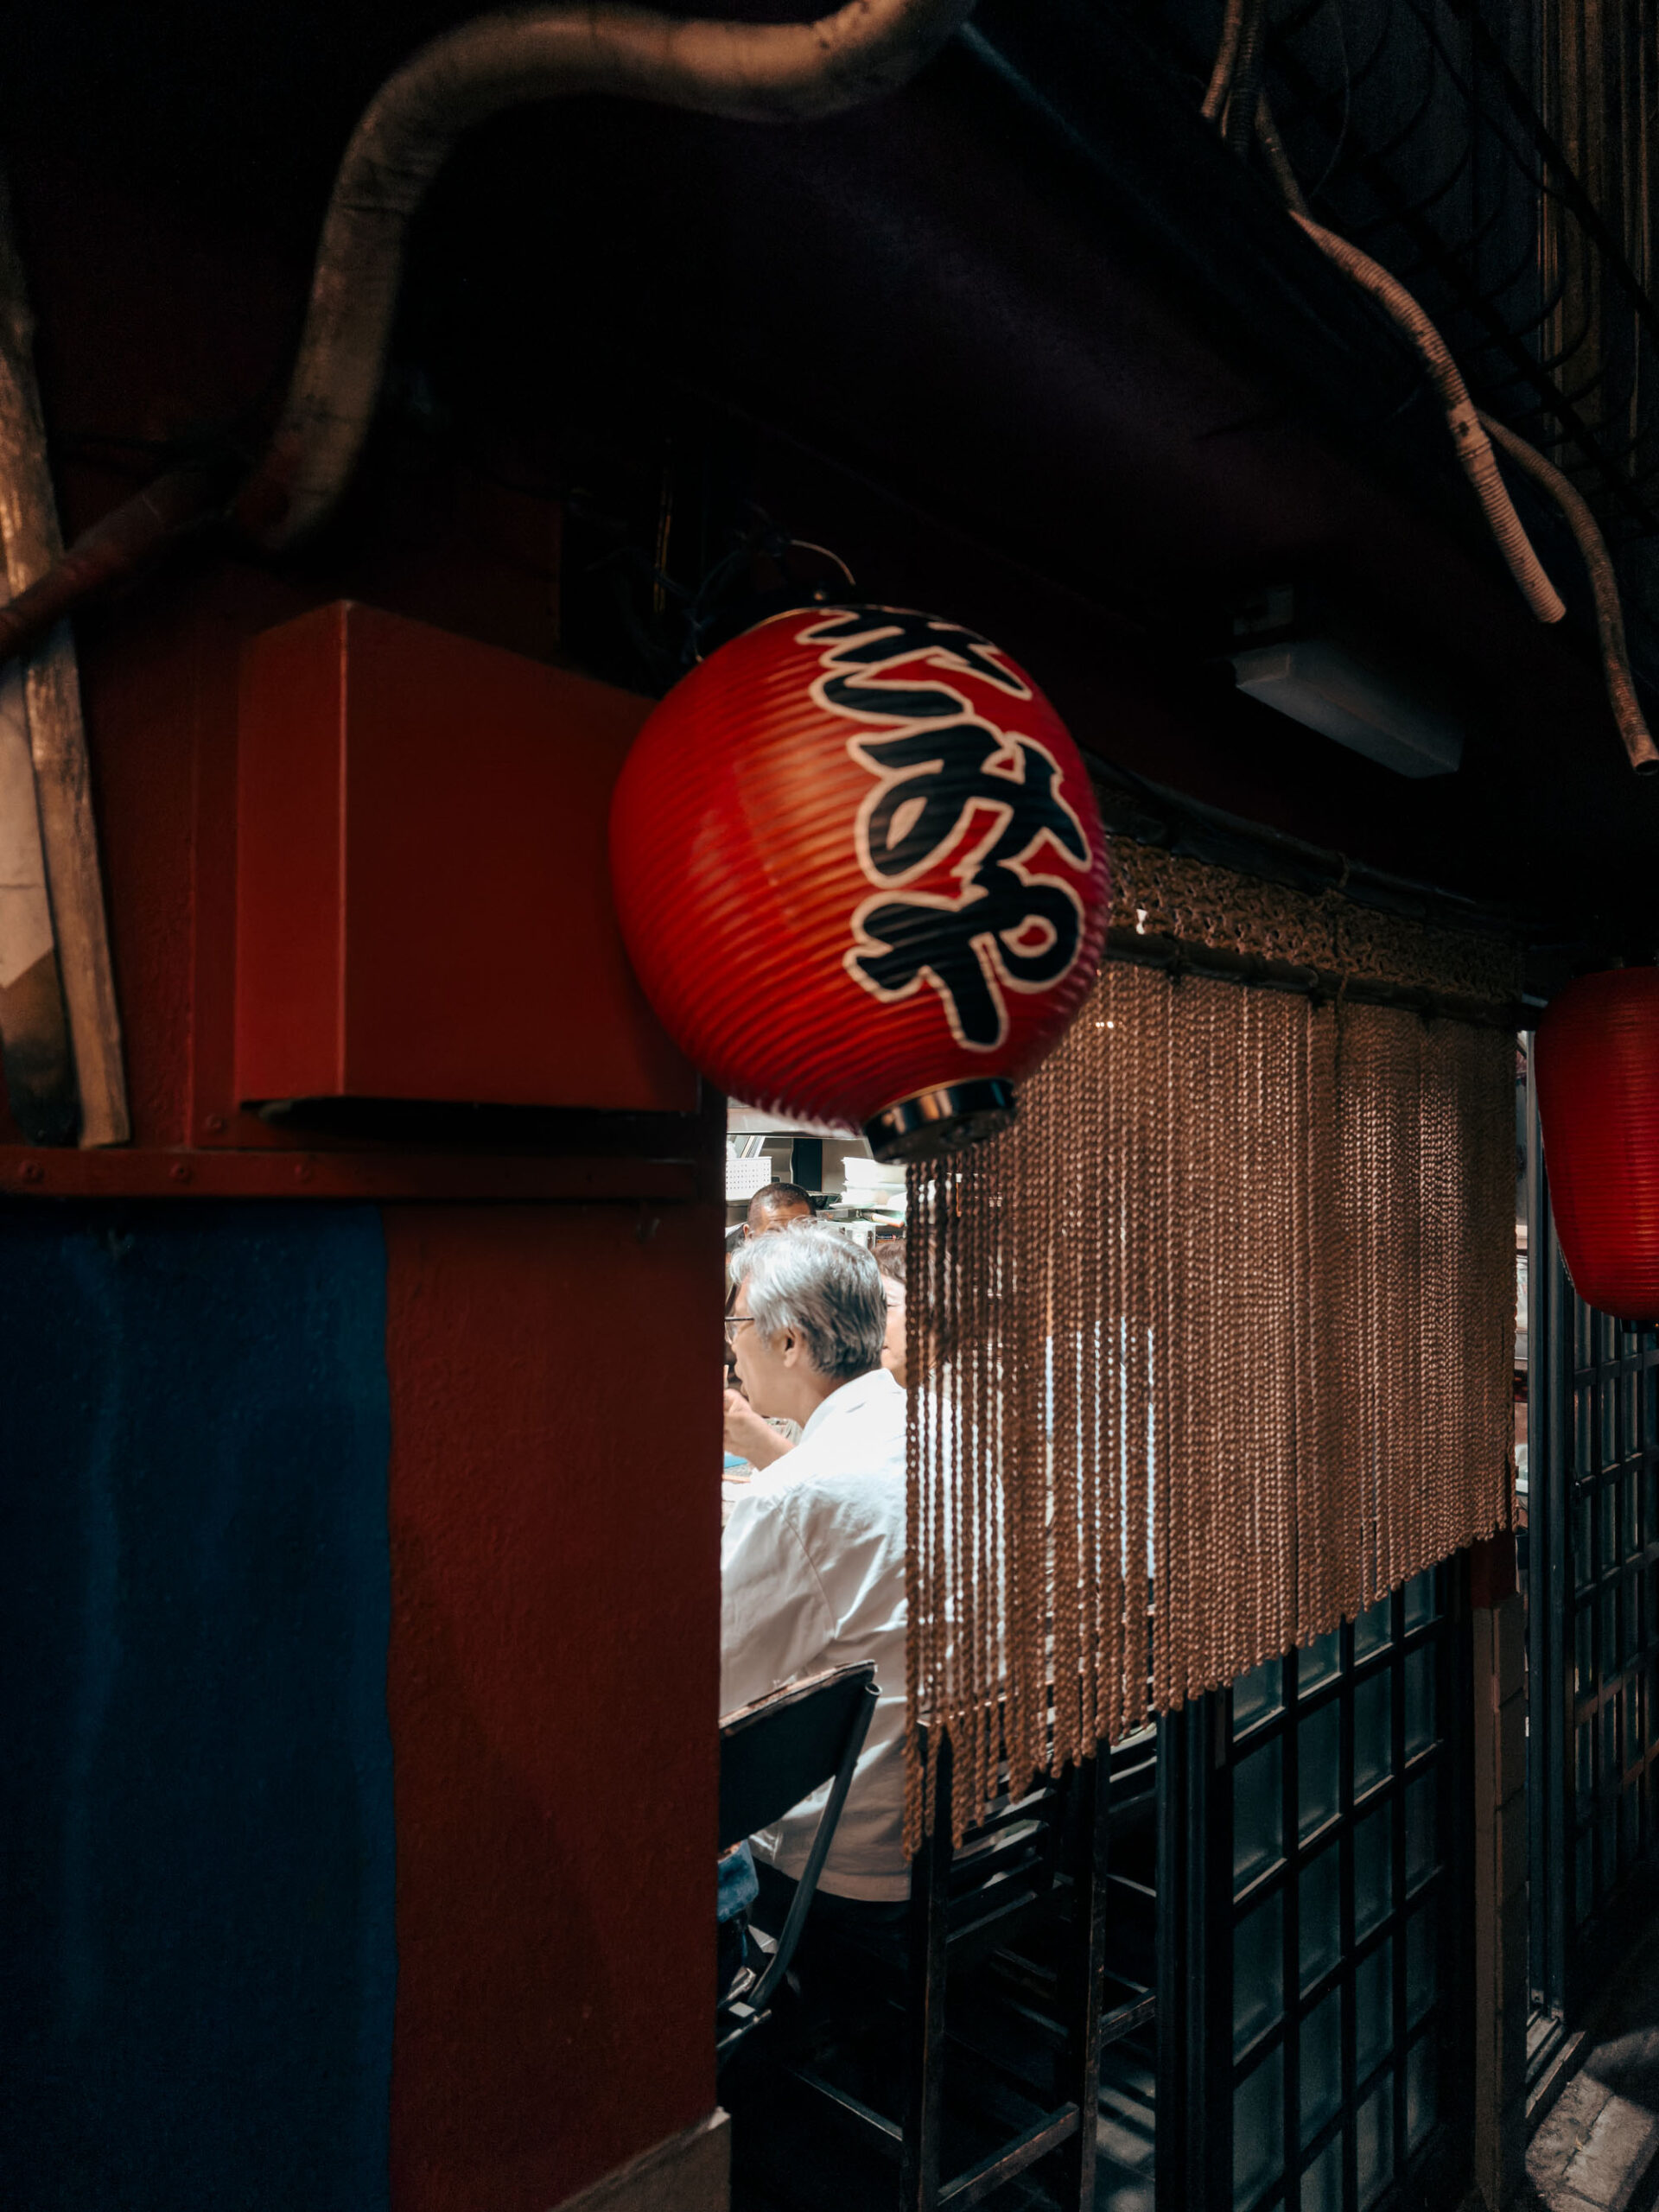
[[1194, 904], [1214, 1345]]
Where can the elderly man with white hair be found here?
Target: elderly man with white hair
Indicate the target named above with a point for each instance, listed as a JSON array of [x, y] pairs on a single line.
[[812, 1567]]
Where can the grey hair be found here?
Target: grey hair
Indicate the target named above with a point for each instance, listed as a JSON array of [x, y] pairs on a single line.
[[821, 1287]]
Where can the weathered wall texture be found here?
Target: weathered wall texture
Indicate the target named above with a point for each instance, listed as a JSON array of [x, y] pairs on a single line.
[[553, 1691]]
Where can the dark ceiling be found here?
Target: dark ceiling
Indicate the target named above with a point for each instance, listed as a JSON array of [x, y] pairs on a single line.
[[1026, 340]]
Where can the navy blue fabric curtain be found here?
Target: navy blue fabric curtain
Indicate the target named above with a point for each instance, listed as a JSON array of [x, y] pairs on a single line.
[[195, 1808]]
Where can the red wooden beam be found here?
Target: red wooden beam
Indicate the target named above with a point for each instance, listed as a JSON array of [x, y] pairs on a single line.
[[27, 1172]]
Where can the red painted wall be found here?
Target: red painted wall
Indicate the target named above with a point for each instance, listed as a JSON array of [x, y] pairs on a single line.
[[552, 1670], [553, 1691]]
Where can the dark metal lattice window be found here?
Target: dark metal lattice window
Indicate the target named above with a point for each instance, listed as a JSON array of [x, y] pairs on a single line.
[[1594, 1588], [1334, 1932], [1614, 1486]]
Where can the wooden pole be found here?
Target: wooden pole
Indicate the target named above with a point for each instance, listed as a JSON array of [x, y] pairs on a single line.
[[66, 835], [34, 1032]]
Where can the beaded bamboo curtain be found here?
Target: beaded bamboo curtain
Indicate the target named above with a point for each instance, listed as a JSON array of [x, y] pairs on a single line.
[[1213, 1347]]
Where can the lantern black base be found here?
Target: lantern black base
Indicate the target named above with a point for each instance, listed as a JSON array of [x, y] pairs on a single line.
[[949, 1119]]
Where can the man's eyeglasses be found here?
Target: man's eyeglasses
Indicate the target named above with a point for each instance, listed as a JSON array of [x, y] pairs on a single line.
[[733, 1323]]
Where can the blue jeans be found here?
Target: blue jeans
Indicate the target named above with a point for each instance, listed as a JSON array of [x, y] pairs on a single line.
[[737, 1883], [736, 1889]]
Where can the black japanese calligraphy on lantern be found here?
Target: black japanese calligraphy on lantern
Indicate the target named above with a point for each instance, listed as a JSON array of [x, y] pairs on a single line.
[[876, 669], [947, 778]]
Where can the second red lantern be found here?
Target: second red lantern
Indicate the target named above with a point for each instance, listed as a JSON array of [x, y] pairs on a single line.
[[1597, 1072], [860, 874]]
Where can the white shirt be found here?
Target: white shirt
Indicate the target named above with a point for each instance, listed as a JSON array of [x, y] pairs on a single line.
[[812, 1575]]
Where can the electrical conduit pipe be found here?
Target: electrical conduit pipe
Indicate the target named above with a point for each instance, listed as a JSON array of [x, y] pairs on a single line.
[[771, 73], [768, 72], [1474, 448], [1461, 417], [1610, 618]]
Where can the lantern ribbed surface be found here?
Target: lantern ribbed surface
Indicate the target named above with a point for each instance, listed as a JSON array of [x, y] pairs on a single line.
[[1598, 1075], [855, 859]]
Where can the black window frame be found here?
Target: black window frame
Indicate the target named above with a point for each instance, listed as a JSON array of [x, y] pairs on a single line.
[[1202, 1909], [1592, 1586]]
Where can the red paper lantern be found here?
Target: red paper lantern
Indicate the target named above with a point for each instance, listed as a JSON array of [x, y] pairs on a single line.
[[860, 874], [1598, 1074]]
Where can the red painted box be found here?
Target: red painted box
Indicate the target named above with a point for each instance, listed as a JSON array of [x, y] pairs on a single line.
[[423, 903]]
